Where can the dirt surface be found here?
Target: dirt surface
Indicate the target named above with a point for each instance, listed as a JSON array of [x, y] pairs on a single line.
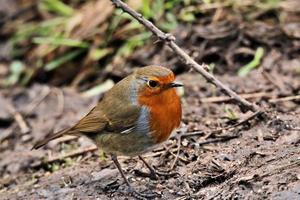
[[257, 160], [213, 157]]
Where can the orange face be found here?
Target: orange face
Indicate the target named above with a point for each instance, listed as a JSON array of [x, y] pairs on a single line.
[[159, 95], [157, 85]]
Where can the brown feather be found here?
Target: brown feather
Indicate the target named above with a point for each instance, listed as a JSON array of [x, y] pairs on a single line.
[[91, 123], [48, 139]]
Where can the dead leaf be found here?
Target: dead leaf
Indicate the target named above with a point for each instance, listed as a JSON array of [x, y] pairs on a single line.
[[89, 17]]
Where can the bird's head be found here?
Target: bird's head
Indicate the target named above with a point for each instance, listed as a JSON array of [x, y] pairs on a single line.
[[155, 80]]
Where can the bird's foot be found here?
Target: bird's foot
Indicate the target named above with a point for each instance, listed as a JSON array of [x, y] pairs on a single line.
[[143, 196], [155, 174]]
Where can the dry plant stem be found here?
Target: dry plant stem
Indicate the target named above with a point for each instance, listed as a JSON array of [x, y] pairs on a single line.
[[219, 99], [65, 138], [160, 153], [252, 116], [19, 119], [213, 132], [289, 98], [72, 154], [177, 154], [170, 41], [36, 102], [60, 101], [215, 140], [179, 157]]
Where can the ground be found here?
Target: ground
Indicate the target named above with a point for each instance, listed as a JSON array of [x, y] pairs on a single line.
[[259, 159], [211, 156]]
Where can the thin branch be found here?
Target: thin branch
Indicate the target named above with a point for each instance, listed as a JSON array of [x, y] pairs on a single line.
[[66, 155], [219, 99], [19, 119], [170, 41], [219, 130], [177, 154], [215, 140], [289, 98], [35, 103]]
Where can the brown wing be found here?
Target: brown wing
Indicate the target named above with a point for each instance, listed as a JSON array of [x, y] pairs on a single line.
[[114, 113], [94, 121], [97, 121], [124, 119]]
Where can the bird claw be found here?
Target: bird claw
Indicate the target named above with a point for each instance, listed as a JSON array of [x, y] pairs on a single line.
[[165, 174], [154, 175], [143, 196]]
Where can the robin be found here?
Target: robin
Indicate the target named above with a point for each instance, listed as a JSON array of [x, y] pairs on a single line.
[[134, 116]]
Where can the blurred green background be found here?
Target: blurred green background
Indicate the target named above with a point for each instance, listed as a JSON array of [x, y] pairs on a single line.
[[80, 43]]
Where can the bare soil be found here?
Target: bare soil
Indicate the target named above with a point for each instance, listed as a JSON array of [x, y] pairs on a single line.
[[259, 159], [212, 158]]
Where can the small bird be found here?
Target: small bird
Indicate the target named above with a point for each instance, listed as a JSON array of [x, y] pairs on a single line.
[[133, 117]]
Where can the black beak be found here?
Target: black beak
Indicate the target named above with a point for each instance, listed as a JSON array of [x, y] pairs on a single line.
[[175, 84]]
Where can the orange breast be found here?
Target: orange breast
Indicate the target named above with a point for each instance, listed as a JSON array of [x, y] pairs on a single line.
[[165, 113]]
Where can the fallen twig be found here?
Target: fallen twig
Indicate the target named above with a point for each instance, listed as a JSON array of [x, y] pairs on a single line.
[[65, 138], [71, 154], [177, 154], [215, 140], [60, 101], [35, 103], [289, 98], [170, 41], [212, 132], [19, 119], [226, 98], [271, 80], [160, 153], [7, 132], [252, 116]]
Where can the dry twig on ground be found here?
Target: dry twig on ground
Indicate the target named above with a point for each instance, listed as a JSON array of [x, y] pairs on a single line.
[[24, 128]]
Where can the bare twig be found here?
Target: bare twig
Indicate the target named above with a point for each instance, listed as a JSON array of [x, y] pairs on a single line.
[[34, 104], [7, 132], [215, 140], [170, 41], [65, 138], [19, 119], [177, 154], [60, 101], [247, 119], [295, 129], [225, 98], [289, 98], [271, 80], [160, 153], [71, 154], [218, 130]]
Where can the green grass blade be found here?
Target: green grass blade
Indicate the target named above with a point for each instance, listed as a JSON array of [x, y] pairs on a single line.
[[60, 41], [58, 7], [243, 71], [63, 59]]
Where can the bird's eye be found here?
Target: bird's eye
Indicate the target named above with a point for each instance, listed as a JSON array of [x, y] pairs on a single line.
[[152, 83]]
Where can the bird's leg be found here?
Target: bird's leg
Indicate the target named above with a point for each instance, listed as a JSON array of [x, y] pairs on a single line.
[[154, 173], [131, 189], [116, 162]]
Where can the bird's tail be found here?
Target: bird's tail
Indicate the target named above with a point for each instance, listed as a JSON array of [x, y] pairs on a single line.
[[51, 137]]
